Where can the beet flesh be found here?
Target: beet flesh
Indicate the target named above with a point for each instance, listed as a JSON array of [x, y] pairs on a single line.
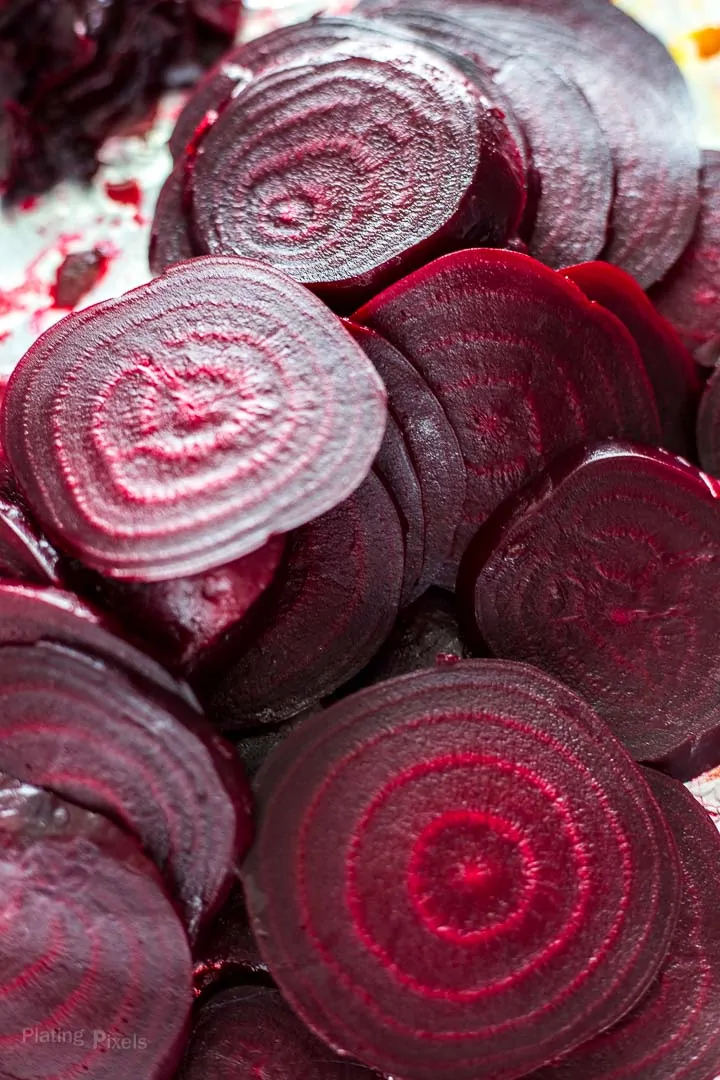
[[459, 873], [534, 368], [190, 420], [708, 426], [96, 968], [333, 603], [228, 953], [600, 573], [25, 554], [395, 468], [689, 295], [170, 240], [669, 365]]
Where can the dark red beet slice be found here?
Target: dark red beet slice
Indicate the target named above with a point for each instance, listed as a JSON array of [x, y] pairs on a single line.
[[674, 1033], [331, 606], [86, 732], [708, 426], [96, 969], [170, 241], [523, 364], [432, 443], [670, 366], [228, 954], [426, 166], [689, 296], [395, 468], [188, 421], [600, 573], [459, 873], [25, 554], [249, 1032]]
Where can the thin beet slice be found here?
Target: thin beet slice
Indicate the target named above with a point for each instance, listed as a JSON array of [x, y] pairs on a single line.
[[96, 969], [25, 554], [572, 173], [708, 426], [228, 953], [432, 444], [523, 364], [83, 730], [689, 296], [674, 1033], [349, 169], [249, 1032], [185, 423], [395, 468], [331, 607], [600, 573], [170, 240], [459, 873], [670, 366]]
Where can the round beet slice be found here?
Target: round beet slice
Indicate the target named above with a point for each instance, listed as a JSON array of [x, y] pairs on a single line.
[[96, 969], [170, 239], [331, 606], [600, 573], [523, 364], [228, 953], [689, 295], [432, 444], [85, 731], [673, 1034], [708, 426], [349, 169], [459, 873], [25, 554], [249, 1032], [670, 366], [188, 421], [209, 96]]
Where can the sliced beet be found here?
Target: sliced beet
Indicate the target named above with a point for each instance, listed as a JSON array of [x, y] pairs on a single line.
[[523, 364], [96, 969], [228, 953], [689, 296], [670, 366], [170, 240], [25, 554], [249, 1032], [349, 169], [459, 873], [674, 1033], [83, 730], [708, 426], [333, 603], [600, 573], [395, 468], [188, 421], [432, 444]]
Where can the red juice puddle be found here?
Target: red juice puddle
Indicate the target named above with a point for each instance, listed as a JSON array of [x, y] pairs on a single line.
[[127, 193]]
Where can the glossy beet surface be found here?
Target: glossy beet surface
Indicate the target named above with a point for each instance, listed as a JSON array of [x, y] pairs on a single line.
[[459, 873], [708, 426], [600, 573], [25, 555], [228, 953], [188, 421]]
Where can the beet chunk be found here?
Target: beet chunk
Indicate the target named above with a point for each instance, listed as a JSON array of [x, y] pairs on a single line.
[[77, 275], [96, 969], [600, 573], [459, 873], [25, 554]]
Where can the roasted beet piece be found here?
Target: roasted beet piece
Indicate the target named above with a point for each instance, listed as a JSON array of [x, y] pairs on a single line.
[[600, 572], [670, 366], [331, 606], [96, 969], [460, 873], [228, 953], [175, 429], [523, 364], [708, 426], [25, 554]]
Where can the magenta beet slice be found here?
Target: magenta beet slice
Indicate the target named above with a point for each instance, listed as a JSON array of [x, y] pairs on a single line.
[[600, 573], [333, 603], [523, 364], [427, 167], [228, 953], [25, 554], [459, 873], [670, 366], [708, 426], [170, 240], [188, 421], [673, 1033], [96, 969], [249, 1031], [432, 443], [689, 295], [88, 733], [395, 468]]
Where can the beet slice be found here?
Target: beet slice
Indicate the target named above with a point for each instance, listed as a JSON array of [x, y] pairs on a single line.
[[600, 573], [708, 426], [188, 421], [459, 873], [96, 969], [86, 732], [228, 954], [670, 366], [523, 364], [395, 468], [689, 295], [250, 1032], [25, 554], [424, 167], [331, 606], [170, 240]]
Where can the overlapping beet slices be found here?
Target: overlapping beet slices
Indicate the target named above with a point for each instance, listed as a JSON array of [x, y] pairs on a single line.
[[708, 426], [96, 969], [228, 954], [25, 554]]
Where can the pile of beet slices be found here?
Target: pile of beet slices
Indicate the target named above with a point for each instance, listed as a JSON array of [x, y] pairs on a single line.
[[358, 579]]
